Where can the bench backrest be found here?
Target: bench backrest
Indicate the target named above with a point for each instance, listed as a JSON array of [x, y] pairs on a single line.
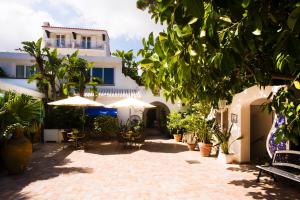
[[287, 158]]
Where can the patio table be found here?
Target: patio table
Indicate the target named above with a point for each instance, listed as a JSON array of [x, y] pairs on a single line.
[[75, 136]]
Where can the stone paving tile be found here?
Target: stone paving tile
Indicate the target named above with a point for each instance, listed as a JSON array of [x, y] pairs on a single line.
[[161, 169]]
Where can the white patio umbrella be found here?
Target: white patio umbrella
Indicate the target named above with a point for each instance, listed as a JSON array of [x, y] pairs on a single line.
[[130, 103], [76, 101]]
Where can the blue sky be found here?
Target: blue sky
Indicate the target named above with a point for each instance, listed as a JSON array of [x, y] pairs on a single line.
[[21, 20]]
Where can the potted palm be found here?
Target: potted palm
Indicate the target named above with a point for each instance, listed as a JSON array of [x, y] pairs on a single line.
[[17, 114], [225, 140], [175, 124]]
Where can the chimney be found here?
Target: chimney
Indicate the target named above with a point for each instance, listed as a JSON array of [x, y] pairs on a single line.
[[47, 24]]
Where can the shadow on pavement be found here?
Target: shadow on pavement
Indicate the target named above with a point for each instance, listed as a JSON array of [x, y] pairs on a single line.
[[48, 162]]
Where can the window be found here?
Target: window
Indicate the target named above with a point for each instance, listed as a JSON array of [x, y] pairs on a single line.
[[103, 37], [107, 75], [24, 71], [19, 71], [86, 42], [60, 41], [29, 71]]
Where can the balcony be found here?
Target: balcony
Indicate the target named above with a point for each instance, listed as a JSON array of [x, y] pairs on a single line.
[[52, 43]]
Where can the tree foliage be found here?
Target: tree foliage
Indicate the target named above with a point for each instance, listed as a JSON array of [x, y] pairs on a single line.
[[212, 50], [129, 65], [59, 73]]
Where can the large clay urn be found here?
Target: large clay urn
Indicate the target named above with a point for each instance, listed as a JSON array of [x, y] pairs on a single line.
[[17, 152], [205, 149]]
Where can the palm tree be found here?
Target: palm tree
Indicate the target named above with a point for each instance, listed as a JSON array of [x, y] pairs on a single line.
[[130, 67], [54, 67], [35, 50], [78, 75], [18, 111], [47, 63]]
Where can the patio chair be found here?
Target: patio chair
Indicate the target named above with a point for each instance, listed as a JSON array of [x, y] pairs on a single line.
[[77, 138]]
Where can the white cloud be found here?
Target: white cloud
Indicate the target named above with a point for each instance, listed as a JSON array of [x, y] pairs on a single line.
[[119, 17], [19, 22]]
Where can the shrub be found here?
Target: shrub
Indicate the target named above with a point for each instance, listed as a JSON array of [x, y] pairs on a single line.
[[63, 118], [175, 121], [106, 125]]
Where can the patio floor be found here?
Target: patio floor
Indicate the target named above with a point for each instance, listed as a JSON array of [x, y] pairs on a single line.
[[162, 169]]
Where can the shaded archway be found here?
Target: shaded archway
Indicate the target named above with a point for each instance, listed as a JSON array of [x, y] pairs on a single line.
[[155, 119], [260, 124]]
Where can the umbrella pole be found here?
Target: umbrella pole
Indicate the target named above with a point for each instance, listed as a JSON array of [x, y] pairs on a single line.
[[129, 117], [83, 119]]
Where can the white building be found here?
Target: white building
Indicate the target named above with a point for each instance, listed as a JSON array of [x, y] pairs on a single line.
[[94, 46]]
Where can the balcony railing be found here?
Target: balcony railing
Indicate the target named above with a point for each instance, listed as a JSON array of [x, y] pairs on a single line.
[[53, 43]]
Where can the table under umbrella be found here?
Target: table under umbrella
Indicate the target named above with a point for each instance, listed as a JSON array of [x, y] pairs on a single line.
[[130, 103], [77, 101]]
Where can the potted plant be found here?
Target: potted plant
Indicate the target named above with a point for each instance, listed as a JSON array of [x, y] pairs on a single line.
[[224, 143], [202, 127], [175, 123], [205, 137], [191, 128], [17, 114]]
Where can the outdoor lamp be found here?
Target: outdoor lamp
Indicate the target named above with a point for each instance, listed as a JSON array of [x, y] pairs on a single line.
[[222, 104], [222, 108]]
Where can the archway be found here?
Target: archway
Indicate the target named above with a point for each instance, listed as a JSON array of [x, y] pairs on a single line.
[[155, 119], [260, 124]]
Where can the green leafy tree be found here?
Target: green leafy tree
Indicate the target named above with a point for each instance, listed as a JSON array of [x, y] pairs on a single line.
[[129, 65], [212, 50]]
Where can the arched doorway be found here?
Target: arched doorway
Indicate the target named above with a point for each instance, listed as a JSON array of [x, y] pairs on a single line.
[[260, 124], [155, 119]]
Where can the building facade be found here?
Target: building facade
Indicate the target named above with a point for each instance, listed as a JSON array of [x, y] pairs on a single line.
[[94, 46]]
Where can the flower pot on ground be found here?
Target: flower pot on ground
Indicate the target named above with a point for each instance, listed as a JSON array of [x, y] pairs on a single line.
[[177, 136], [191, 146], [205, 149], [226, 158], [191, 140], [17, 152], [225, 140]]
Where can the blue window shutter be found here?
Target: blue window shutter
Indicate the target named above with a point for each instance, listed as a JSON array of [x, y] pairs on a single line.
[[109, 76], [97, 72]]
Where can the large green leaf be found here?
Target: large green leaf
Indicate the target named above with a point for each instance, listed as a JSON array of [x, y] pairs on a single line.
[[195, 8], [293, 18]]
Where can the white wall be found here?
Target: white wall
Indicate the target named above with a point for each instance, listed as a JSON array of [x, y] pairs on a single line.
[[241, 106]]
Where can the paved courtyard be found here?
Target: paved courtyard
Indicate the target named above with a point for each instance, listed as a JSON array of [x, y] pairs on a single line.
[[161, 169]]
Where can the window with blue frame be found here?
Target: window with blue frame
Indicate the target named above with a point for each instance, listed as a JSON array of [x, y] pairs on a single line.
[[107, 75]]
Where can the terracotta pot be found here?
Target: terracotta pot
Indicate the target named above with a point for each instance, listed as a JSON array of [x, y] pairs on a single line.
[[226, 158], [205, 149], [191, 146], [177, 137], [17, 153]]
